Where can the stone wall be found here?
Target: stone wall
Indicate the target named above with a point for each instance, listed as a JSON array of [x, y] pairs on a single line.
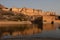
[[48, 19]]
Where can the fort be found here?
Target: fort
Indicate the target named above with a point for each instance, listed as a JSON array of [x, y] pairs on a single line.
[[48, 16]]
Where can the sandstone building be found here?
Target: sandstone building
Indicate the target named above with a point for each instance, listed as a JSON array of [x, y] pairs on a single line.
[[47, 16]]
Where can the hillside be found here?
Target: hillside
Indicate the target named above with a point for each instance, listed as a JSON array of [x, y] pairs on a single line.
[[1, 6]]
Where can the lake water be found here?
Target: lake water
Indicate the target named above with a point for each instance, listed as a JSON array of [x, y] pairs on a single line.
[[31, 30]]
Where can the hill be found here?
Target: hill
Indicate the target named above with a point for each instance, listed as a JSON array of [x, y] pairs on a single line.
[[2, 6]]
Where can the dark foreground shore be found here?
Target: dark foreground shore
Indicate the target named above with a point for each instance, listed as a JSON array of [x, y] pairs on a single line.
[[30, 38]]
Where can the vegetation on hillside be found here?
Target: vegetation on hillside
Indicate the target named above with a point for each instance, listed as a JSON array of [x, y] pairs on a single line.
[[9, 15]]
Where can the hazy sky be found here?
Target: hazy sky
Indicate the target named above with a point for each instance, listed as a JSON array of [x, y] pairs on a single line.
[[45, 5]]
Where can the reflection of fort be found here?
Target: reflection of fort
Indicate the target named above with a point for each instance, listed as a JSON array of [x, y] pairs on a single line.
[[29, 30], [49, 27], [20, 30]]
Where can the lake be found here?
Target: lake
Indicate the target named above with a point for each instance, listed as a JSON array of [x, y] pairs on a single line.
[[28, 31]]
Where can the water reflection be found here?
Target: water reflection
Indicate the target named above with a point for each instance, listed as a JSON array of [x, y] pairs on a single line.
[[47, 27], [58, 27], [27, 29]]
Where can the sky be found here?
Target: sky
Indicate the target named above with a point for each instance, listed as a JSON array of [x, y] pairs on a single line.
[[45, 5]]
